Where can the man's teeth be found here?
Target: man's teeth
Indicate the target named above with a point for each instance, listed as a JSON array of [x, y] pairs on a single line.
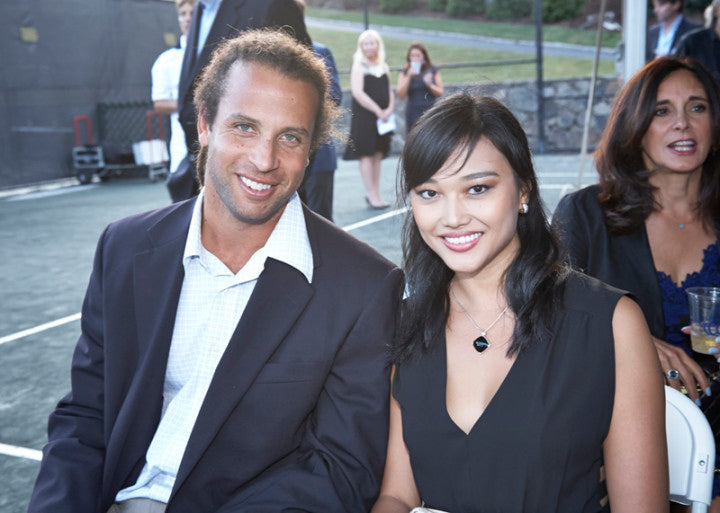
[[255, 185], [463, 239]]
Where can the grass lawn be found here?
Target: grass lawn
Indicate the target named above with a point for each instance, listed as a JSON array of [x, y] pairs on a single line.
[[491, 29], [343, 46]]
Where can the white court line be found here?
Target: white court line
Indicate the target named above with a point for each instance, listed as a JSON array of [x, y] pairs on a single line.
[[375, 219], [21, 452], [38, 329], [32, 454], [74, 317]]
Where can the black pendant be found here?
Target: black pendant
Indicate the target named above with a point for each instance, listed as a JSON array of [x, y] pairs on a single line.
[[481, 344]]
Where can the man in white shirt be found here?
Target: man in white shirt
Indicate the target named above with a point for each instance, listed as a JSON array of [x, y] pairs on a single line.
[[671, 26], [232, 355], [165, 75]]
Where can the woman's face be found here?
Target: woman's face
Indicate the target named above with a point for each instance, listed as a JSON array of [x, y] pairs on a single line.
[[185, 17], [678, 138], [416, 56], [369, 46], [469, 217]]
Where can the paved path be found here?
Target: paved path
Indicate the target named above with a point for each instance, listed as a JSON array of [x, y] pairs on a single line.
[[49, 238], [469, 40]]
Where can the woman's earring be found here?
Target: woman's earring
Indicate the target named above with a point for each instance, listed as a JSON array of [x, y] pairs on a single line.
[[524, 208]]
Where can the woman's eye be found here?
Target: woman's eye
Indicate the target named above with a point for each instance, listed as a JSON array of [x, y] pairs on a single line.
[[661, 111], [427, 194], [700, 107], [290, 138], [478, 189]]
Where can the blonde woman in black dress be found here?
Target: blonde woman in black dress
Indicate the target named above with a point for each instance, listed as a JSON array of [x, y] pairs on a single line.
[[373, 100]]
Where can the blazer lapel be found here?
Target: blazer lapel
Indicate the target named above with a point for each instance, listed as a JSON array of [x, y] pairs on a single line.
[[226, 25], [189, 57], [158, 275], [280, 296]]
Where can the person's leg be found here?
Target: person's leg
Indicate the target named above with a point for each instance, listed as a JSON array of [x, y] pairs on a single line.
[[377, 163], [366, 173], [318, 190]]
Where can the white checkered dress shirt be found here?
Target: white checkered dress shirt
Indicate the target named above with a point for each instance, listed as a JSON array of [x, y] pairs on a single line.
[[211, 303]]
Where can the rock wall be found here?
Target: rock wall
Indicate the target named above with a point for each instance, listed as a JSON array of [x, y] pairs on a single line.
[[565, 106]]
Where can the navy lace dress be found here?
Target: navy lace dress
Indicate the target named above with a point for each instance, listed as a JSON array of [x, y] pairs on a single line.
[[677, 315]]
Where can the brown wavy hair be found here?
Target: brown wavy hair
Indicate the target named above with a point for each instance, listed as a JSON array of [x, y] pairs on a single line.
[[416, 45], [626, 196]]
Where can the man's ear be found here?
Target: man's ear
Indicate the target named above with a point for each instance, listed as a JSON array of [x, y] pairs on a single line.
[[203, 129]]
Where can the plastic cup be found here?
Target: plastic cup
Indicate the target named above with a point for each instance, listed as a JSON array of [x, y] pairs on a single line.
[[704, 318], [415, 66]]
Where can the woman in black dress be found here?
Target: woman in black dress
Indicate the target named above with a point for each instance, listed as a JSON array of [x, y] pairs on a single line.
[[519, 385], [373, 100]]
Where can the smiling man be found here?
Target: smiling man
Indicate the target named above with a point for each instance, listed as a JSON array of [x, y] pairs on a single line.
[[232, 354]]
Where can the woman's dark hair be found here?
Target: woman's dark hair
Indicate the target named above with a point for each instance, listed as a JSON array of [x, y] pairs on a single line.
[[533, 281], [416, 45], [627, 196]]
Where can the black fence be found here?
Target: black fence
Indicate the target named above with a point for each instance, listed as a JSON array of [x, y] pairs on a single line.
[[123, 123]]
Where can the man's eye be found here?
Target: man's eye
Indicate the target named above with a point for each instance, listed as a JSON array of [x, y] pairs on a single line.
[[290, 138]]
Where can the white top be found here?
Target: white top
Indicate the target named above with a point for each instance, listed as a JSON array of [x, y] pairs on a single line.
[[664, 44], [165, 79], [212, 300]]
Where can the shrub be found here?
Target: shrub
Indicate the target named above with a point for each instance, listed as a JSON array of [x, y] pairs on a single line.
[[508, 9], [459, 8], [437, 5], [558, 10], [397, 5]]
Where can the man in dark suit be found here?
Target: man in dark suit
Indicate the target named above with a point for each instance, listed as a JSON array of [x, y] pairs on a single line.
[[317, 188], [232, 353], [704, 44], [664, 35], [215, 21]]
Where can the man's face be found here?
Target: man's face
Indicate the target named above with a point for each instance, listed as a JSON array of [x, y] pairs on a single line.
[[184, 13], [258, 144], [666, 11]]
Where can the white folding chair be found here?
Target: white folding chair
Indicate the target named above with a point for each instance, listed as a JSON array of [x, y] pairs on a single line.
[[691, 452]]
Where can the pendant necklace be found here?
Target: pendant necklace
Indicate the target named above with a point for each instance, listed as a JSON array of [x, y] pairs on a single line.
[[481, 343]]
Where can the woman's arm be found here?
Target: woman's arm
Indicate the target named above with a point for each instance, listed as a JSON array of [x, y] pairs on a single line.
[[387, 112], [403, 84], [398, 493], [357, 88], [165, 106], [635, 450], [434, 83], [690, 374]]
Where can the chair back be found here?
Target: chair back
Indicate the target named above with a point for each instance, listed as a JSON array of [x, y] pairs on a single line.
[[691, 451]]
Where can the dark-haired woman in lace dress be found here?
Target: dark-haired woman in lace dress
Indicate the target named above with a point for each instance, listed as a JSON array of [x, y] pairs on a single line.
[[651, 225]]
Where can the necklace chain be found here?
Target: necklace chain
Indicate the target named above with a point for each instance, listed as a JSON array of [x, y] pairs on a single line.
[[482, 331]]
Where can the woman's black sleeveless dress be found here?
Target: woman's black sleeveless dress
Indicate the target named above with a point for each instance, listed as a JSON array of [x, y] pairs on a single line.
[[364, 139], [538, 445]]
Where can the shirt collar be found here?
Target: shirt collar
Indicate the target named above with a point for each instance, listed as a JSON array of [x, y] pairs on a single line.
[[676, 23], [288, 242], [211, 5]]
